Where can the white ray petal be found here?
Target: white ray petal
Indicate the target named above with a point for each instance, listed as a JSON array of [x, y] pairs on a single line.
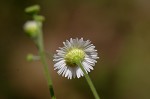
[[59, 63], [59, 66], [86, 67]]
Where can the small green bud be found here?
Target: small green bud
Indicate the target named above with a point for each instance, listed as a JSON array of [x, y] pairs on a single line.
[[39, 18], [30, 57], [31, 28], [32, 9]]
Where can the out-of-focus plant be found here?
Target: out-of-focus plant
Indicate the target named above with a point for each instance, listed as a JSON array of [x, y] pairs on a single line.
[[33, 29]]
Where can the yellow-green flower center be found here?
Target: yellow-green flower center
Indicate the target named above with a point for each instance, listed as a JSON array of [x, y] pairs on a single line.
[[74, 55]]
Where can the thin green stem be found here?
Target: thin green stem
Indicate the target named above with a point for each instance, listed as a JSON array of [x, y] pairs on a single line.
[[43, 59], [35, 32], [89, 81]]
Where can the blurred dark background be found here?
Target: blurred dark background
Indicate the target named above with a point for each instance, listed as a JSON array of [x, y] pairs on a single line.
[[120, 30]]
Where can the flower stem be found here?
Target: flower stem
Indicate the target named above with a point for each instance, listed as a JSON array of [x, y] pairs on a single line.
[[89, 81], [39, 42]]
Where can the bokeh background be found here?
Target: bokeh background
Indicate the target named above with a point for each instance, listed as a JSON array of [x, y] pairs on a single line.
[[120, 30]]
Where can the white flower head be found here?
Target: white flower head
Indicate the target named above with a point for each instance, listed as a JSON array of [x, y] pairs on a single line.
[[75, 50]]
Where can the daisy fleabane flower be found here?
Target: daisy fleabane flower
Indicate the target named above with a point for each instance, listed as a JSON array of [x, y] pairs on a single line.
[[75, 50]]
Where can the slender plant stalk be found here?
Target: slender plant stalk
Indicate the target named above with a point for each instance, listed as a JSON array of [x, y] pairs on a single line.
[[43, 59], [34, 30], [89, 81]]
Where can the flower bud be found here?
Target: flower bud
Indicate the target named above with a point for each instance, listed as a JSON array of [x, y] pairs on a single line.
[[29, 57], [32, 9], [31, 28]]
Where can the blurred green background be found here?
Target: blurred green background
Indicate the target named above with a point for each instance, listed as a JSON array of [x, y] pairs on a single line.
[[120, 30]]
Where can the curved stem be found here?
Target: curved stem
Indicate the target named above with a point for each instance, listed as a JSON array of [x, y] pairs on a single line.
[[89, 81], [40, 46]]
